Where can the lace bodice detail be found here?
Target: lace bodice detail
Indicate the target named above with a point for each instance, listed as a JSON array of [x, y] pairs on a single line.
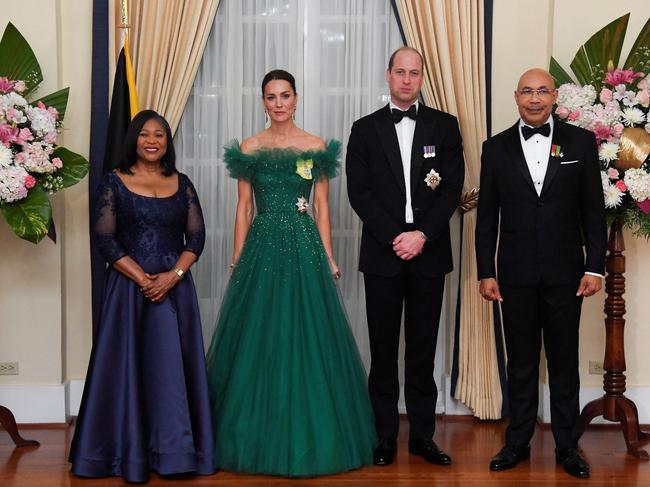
[[152, 231]]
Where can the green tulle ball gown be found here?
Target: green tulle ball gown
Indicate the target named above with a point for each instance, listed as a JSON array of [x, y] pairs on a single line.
[[287, 384]]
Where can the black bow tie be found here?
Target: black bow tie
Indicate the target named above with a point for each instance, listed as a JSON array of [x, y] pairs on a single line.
[[528, 132], [398, 114]]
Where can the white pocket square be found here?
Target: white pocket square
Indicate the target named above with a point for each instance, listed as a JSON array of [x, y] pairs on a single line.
[[569, 162]]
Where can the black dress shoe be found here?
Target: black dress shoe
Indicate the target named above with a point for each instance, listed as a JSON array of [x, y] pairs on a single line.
[[509, 457], [428, 450], [385, 452], [572, 462]]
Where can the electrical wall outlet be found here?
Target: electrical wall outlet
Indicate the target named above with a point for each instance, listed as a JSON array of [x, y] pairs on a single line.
[[8, 368], [596, 367]]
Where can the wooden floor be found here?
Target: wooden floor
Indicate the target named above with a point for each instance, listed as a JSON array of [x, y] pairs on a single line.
[[471, 443]]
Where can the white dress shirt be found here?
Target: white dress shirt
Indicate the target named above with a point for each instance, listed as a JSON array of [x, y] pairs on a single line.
[[537, 151], [405, 130]]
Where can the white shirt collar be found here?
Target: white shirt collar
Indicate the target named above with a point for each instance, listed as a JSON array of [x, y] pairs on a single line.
[[550, 121], [391, 105]]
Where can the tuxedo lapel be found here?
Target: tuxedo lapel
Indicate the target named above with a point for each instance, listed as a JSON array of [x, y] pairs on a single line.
[[559, 140], [388, 137], [424, 127], [517, 156]]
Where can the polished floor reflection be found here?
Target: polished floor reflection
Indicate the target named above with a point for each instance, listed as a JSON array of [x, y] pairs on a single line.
[[470, 442]]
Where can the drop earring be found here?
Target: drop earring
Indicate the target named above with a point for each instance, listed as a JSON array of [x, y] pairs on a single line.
[[266, 117]]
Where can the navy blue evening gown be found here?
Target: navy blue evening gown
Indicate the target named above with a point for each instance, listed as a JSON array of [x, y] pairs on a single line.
[[145, 405]]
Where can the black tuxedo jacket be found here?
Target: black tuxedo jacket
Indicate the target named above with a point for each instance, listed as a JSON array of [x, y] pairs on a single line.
[[541, 237], [377, 191]]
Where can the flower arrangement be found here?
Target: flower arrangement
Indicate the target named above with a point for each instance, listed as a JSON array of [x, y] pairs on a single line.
[[614, 103], [32, 165]]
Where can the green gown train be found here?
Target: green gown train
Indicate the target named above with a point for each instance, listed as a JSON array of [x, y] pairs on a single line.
[[287, 384]]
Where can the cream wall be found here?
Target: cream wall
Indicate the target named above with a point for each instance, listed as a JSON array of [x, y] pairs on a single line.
[[526, 33], [45, 316]]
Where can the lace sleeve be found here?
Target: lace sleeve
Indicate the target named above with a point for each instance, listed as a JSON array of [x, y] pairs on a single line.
[[194, 227], [105, 221]]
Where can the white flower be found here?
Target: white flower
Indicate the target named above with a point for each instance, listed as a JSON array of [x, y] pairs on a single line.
[[638, 184], [613, 196], [12, 184], [573, 96], [632, 117], [604, 179], [302, 204], [6, 157], [433, 179], [43, 121], [608, 151]]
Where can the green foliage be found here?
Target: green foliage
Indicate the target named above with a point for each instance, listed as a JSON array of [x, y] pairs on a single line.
[[17, 60], [74, 169], [29, 218]]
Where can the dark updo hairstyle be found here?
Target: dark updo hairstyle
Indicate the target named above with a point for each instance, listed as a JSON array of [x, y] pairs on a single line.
[[279, 74], [130, 156]]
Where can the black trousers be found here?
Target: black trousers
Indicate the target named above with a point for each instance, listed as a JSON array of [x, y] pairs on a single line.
[[530, 314], [421, 299]]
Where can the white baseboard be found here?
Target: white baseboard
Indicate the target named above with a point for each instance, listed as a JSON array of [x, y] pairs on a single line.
[[43, 404], [639, 394]]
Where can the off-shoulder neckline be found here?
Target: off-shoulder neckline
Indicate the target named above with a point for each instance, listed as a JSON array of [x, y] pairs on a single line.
[[283, 150]]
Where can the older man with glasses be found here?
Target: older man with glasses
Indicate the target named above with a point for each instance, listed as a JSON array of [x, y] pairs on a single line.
[[541, 198]]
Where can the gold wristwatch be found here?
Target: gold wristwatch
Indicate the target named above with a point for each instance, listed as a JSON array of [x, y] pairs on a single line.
[[179, 272]]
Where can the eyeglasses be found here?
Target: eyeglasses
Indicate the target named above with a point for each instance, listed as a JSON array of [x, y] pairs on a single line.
[[541, 92]]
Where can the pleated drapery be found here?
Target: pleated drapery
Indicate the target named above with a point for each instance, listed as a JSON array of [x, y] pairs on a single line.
[[450, 36], [168, 38]]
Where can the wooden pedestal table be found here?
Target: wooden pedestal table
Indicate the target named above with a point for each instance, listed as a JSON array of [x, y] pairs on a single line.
[[613, 405]]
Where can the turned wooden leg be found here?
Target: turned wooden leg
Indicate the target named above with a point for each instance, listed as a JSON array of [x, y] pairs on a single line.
[[628, 415], [9, 423], [592, 410]]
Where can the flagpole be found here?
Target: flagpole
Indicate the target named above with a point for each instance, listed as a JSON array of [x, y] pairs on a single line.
[[124, 20]]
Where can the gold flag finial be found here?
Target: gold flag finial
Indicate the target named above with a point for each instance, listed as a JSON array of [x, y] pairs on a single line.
[[125, 15]]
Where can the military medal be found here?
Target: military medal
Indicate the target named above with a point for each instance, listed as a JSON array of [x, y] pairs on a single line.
[[429, 151], [556, 151]]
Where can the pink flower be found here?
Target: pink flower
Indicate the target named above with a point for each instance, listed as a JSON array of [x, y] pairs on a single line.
[[574, 115], [606, 95], [57, 162], [620, 184], [20, 158], [612, 173], [621, 76], [29, 182], [562, 112], [41, 105], [644, 206], [24, 136], [643, 97], [19, 86], [602, 132], [618, 130], [6, 85], [50, 137], [643, 84], [8, 134]]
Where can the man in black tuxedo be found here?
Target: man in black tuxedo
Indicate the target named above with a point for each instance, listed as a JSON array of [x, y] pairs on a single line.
[[541, 194], [405, 172]]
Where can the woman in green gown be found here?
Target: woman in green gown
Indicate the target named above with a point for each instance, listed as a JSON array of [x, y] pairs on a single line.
[[287, 384]]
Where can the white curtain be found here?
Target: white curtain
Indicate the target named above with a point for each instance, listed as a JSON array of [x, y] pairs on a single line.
[[338, 51]]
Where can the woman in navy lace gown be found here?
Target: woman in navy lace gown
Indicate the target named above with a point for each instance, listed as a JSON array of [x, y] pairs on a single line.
[[145, 405]]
